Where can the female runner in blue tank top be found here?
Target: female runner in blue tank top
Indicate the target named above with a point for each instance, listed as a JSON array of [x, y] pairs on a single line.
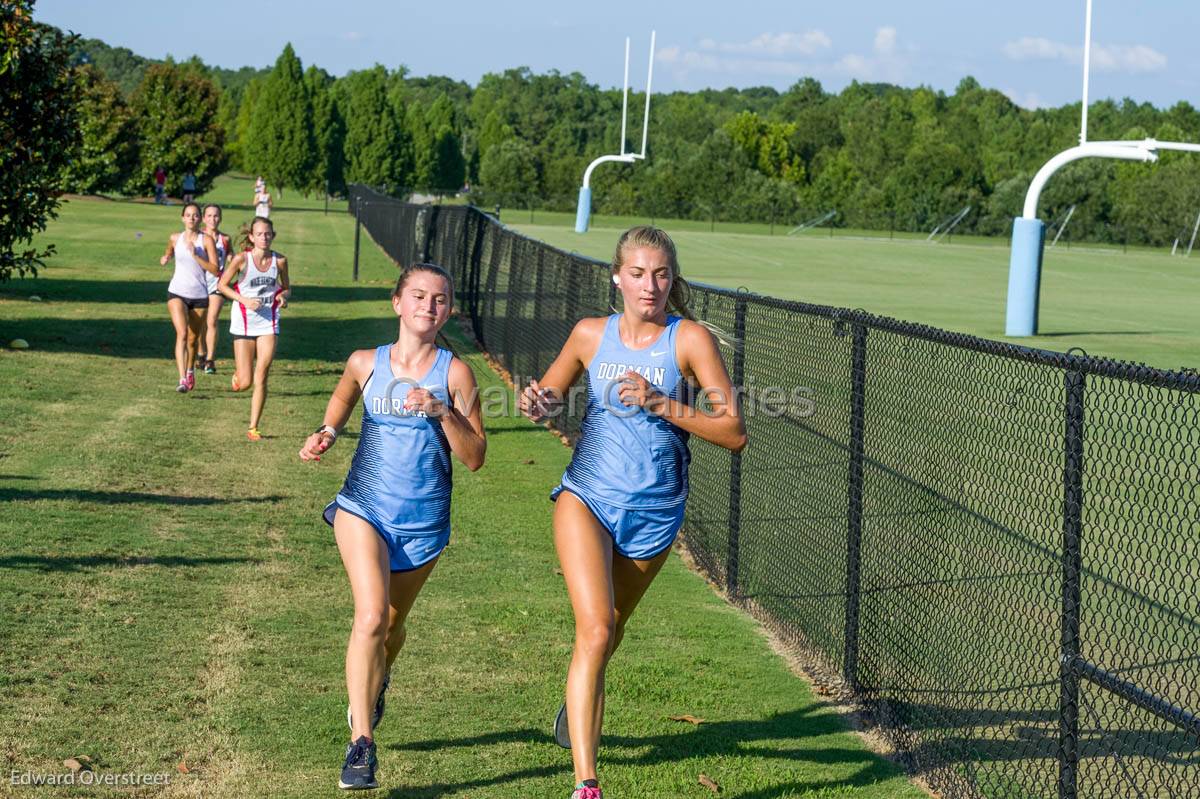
[[622, 498], [391, 519]]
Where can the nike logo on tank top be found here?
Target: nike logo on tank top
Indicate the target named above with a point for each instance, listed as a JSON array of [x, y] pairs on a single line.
[[400, 477], [626, 456]]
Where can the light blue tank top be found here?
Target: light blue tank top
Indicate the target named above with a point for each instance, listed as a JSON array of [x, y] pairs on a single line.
[[626, 456], [400, 477]]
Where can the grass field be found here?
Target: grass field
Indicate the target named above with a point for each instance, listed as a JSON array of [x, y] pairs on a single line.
[[169, 598], [1137, 306]]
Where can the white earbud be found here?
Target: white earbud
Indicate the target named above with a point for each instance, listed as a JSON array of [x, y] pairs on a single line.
[[616, 280]]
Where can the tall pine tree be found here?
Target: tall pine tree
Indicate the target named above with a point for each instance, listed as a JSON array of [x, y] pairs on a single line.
[[377, 149], [329, 131], [281, 145]]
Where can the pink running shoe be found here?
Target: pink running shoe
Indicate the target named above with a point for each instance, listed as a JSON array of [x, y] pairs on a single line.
[[182, 388], [585, 791], [191, 379]]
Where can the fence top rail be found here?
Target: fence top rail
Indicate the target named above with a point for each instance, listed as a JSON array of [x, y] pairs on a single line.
[[1185, 380]]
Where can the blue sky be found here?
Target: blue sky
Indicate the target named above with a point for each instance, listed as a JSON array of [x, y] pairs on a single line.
[[1030, 49]]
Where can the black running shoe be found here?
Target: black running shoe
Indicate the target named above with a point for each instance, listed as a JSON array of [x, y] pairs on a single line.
[[562, 735], [358, 773], [210, 368], [380, 703]]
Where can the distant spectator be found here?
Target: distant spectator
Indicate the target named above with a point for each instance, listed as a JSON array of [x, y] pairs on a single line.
[[263, 203], [189, 186], [160, 185], [260, 186]]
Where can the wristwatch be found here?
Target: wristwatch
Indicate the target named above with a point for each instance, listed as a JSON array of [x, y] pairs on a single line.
[[326, 429]]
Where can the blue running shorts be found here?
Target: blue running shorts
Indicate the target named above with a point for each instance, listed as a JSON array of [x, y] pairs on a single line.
[[405, 552], [636, 534]]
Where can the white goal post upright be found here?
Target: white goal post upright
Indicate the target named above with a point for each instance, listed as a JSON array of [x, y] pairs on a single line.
[[583, 211], [1029, 232]]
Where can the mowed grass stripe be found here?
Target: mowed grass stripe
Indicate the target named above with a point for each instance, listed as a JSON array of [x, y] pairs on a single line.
[[1135, 306], [168, 593]]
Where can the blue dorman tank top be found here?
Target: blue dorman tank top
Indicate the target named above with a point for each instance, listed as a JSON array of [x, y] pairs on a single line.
[[626, 456], [400, 476]]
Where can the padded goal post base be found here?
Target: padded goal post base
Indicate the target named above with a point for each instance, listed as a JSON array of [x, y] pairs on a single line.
[[1024, 277], [583, 212]]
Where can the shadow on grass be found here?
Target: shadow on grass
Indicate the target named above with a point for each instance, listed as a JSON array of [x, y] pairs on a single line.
[[72, 563], [175, 204], [126, 292], [1033, 737], [720, 741], [1035, 734], [123, 497], [302, 338], [1057, 334]]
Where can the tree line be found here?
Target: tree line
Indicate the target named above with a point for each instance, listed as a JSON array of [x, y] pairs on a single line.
[[881, 156]]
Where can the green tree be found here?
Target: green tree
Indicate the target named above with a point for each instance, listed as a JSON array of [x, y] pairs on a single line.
[[377, 150], [281, 146], [119, 64], [714, 172], [437, 148], [447, 166], [494, 130], [38, 112], [243, 125], [108, 153], [176, 115], [329, 132], [509, 169]]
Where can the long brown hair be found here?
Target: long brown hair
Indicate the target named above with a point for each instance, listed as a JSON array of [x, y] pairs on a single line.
[[244, 241]]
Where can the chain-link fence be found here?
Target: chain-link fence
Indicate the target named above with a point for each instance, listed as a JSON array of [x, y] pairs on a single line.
[[986, 222], [997, 548]]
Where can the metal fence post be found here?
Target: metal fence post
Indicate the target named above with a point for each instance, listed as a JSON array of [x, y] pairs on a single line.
[[858, 381], [732, 586], [1072, 565], [431, 221], [482, 230], [535, 369], [358, 203]]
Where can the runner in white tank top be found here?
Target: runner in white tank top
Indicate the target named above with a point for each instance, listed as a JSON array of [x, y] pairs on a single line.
[[259, 280], [187, 295], [256, 280], [262, 204], [224, 247]]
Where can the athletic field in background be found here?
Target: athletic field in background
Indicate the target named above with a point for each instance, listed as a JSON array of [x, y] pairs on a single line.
[[1138, 305], [171, 603]]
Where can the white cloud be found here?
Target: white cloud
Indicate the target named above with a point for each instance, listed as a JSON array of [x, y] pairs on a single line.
[[668, 55], [888, 63], [1028, 100], [856, 66], [1138, 58], [789, 55], [775, 44], [1029, 48], [1111, 58], [352, 36], [885, 41]]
